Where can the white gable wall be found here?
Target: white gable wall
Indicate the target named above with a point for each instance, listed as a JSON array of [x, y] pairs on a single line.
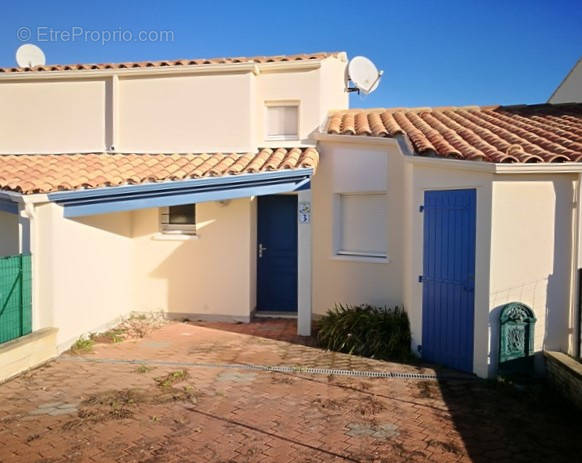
[[570, 90]]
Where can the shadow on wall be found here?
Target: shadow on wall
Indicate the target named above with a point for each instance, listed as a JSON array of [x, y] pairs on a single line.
[[118, 223], [494, 339], [181, 277], [552, 326], [207, 275], [557, 328]]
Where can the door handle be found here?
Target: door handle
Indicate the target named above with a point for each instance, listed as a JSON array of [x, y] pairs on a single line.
[[261, 249]]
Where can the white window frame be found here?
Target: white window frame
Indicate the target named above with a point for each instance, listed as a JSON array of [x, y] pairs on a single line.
[[343, 254], [275, 103], [167, 228]]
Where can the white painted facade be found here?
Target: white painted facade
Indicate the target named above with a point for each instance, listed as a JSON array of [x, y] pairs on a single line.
[[525, 245], [212, 108], [88, 272]]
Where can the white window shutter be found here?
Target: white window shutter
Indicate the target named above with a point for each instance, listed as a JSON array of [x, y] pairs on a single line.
[[282, 122], [363, 225]]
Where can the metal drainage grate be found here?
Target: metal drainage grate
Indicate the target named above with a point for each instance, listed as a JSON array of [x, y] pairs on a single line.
[[276, 369], [338, 372]]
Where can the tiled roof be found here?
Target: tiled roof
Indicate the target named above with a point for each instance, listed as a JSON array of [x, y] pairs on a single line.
[[45, 173], [536, 133], [178, 62]]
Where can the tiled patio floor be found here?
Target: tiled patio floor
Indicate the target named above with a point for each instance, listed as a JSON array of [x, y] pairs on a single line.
[[187, 405]]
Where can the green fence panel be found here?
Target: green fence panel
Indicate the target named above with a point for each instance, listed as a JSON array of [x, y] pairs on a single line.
[[15, 297]]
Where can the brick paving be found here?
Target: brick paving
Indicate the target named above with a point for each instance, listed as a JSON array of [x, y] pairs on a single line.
[[169, 408]]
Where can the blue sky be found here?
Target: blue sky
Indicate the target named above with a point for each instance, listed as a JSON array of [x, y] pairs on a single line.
[[432, 52]]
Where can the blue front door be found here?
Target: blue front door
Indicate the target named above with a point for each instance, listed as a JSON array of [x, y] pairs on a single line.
[[448, 289], [277, 253]]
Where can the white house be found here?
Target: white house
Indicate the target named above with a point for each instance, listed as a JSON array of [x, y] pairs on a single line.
[[225, 188]]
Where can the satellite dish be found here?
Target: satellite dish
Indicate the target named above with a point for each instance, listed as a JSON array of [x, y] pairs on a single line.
[[29, 56], [363, 74]]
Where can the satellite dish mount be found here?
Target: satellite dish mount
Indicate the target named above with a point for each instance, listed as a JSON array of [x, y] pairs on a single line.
[[363, 73]]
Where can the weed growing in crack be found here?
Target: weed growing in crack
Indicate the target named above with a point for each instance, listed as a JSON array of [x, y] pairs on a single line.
[[82, 346], [172, 378]]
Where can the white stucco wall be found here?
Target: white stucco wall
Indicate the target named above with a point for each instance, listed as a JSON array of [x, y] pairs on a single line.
[[531, 255], [315, 91], [349, 168], [352, 167], [8, 234], [81, 271], [88, 272], [423, 177], [52, 116], [212, 275], [570, 89], [195, 113], [215, 111], [524, 246]]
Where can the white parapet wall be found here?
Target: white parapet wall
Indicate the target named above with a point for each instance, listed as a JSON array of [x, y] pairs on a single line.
[[27, 352], [81, 271]]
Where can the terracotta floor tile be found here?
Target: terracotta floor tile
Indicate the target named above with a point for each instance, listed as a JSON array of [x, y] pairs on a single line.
[[218, 413]]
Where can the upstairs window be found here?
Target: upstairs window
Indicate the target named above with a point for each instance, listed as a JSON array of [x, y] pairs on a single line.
[[178, 219], [282, 121]]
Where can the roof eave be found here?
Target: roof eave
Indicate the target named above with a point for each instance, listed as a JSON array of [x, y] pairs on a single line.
[[224, 68], [539, 168], [355, 139], [482, 166], [130, 197]]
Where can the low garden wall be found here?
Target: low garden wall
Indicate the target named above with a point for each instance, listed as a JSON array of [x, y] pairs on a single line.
[[565, 375], [27, 352]]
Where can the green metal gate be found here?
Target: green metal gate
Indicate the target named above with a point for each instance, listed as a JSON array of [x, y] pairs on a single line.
[[15, 297]]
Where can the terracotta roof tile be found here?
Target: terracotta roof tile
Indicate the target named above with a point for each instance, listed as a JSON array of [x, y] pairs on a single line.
[[45, 173], [178, 62], [536, 133]]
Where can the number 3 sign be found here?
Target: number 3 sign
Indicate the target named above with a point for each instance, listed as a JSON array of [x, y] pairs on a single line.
[[304, 212]]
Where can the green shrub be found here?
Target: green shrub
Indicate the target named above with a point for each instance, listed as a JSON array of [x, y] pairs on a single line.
[[376, 332]]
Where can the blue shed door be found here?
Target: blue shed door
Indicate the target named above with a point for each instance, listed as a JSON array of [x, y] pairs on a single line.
[[277, 253], [448, 289]]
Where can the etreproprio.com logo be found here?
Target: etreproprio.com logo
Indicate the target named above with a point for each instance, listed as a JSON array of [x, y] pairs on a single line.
[[80, 34]]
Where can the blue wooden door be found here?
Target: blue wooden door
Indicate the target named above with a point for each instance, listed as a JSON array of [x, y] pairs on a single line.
[[448, 290], [277, 253]]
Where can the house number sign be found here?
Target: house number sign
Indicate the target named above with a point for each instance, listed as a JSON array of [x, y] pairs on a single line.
[[304, 210]]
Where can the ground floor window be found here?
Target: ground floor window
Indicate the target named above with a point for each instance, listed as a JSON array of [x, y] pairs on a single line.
[[361, 225], [178, 219]]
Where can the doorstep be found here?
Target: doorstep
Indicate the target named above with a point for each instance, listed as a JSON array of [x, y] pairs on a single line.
[[274, 314], [27, 352]]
